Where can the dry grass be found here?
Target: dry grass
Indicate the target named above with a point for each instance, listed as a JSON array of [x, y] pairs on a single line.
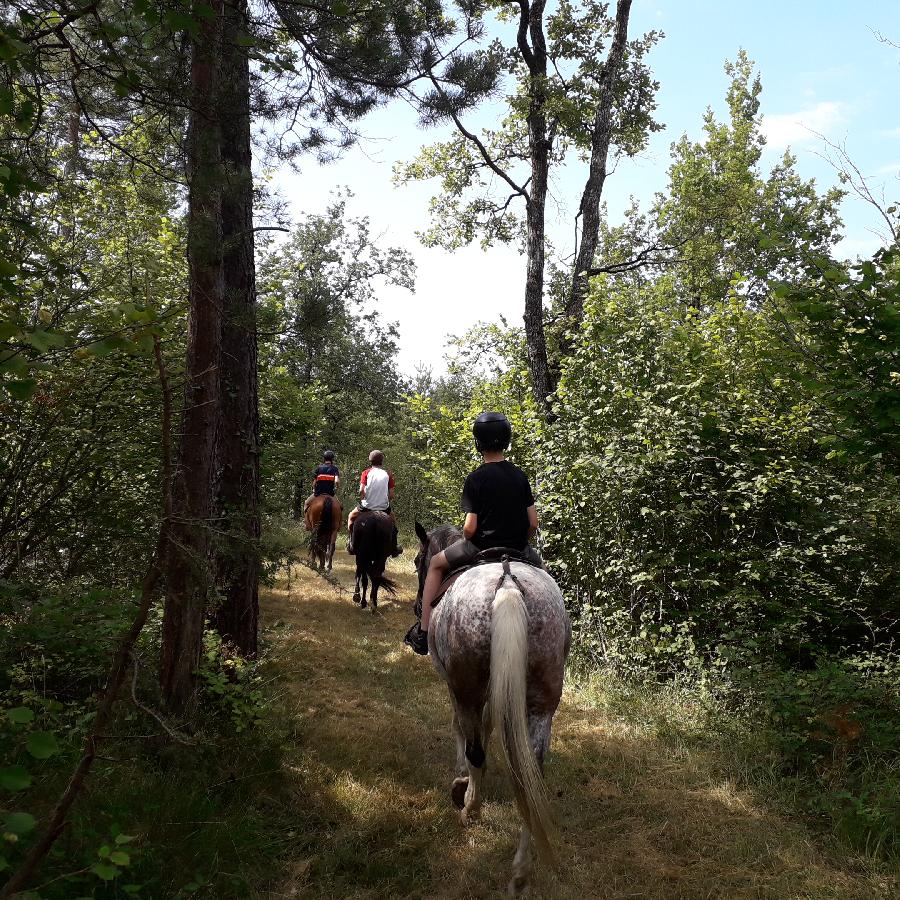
[[369, 776]]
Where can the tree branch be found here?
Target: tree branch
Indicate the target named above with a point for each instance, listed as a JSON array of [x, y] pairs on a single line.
[[489, 162]]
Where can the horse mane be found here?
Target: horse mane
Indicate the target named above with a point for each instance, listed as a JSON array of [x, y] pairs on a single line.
[[443, 536]]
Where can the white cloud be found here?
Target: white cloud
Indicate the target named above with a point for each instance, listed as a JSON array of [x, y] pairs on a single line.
[[804, 125]]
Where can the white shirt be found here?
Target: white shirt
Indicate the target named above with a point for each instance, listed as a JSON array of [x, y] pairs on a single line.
[[377, 483]]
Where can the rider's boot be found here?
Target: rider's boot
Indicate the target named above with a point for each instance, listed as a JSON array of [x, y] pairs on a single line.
[[417, 639], [397, 550]]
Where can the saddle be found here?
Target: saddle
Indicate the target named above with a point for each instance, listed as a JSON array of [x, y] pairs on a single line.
[[365, 513], [504, 555]]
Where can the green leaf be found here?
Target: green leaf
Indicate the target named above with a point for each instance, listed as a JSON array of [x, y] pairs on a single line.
[[20, 715], [120, 858], [19, 823], [42, 744], [14, 778], [14, 363], [105, 871], [8, 330], [124, 839], [43, 340], [8, 269], [21, 390]]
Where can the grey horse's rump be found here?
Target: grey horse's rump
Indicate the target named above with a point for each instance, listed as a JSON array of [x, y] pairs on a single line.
[[461, 628]]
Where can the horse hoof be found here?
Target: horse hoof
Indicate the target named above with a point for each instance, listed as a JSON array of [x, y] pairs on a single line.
[[468, 815], [458, 792], [356, 598], [518, 887], [363, 603]]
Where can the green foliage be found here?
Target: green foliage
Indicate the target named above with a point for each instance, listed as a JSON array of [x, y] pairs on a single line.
[[843, 323], [705, 230], [160, 820], [328, 375], [718, 527], [473, 203], [485, 372], [231, 684], [81, 439]]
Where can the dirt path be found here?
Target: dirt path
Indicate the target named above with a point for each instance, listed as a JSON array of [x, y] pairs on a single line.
[[373, 762]]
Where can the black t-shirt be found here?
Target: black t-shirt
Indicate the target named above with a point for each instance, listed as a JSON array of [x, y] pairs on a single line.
[[499, 494], [325, 478]]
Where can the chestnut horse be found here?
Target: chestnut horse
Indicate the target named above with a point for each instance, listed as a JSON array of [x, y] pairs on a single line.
[[499, 638], [324, 518]]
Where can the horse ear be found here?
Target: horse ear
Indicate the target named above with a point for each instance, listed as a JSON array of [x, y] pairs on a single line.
[[421, 534]]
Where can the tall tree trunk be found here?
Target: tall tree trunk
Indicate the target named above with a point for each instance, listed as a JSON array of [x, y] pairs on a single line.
[[237, 452], [188, 581], [601, 135], [539, 150]]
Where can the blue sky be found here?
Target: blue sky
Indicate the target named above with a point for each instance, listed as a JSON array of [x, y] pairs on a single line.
[[823, 70]]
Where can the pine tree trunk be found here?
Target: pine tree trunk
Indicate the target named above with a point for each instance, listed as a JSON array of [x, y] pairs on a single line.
[[188, 570], [237, 452]]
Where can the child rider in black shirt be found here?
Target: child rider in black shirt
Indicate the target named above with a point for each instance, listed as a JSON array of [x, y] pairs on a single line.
[[500, 512]]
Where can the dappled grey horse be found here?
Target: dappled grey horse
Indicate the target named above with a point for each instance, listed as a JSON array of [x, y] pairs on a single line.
[[499, 638]]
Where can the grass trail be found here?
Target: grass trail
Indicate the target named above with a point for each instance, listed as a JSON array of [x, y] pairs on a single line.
[[369, 776]]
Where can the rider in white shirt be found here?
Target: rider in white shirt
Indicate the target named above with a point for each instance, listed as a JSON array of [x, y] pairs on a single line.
[[376, 491]]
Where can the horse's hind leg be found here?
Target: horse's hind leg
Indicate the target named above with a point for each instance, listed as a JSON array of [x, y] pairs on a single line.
[[471, 740], [461, 781], [365, 587], [539, 733]]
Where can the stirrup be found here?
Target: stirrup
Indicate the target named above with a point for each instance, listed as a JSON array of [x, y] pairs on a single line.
[[417, 639]]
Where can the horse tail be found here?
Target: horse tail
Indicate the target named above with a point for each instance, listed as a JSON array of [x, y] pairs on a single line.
[[323, 532], [507, 707], [384, 583]]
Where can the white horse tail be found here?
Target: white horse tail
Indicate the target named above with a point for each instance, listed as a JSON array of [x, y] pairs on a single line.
[[507, 705]]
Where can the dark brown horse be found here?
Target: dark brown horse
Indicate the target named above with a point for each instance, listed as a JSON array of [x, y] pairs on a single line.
[[324, 518], [373, 539]]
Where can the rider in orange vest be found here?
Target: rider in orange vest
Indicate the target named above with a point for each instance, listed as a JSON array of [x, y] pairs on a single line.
[[326, 480]]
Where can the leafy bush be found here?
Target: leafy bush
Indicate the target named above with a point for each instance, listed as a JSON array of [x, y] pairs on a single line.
[[692, 506], [836, 727], [231, 684]]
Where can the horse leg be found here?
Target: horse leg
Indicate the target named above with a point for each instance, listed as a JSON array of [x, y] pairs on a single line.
[[356, 598], [365, 587], [539, 734], [469, 729], [461, 781]]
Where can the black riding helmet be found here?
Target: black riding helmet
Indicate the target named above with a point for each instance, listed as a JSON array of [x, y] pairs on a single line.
[[328, 456], [492, 432]]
